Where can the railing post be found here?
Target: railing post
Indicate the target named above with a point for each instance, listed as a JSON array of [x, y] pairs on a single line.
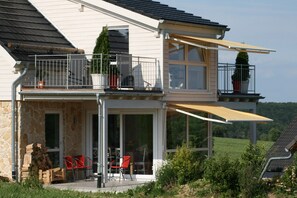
[[67, 71], [254, 80], [35, 81], [101, 62]]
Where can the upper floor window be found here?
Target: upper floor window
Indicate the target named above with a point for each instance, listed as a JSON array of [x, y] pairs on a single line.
[[187, 67]]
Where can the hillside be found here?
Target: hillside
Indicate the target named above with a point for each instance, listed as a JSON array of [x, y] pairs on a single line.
[[235, 147], [281, 113]]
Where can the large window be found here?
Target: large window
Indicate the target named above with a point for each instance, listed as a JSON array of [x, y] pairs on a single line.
[[187, 67], [186, 129]]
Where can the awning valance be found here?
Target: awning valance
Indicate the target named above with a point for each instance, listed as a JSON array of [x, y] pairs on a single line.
[[228, 45], [229, 115]]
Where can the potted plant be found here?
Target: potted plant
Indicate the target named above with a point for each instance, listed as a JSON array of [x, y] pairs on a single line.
[[240, 78], [40, 77], [113, 76], [100, 60]]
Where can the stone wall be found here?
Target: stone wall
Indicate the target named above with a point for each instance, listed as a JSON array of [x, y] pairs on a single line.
[[33, 124], [5, 138]]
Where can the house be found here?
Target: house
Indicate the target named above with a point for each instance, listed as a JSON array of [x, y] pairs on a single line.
[[169, 76]]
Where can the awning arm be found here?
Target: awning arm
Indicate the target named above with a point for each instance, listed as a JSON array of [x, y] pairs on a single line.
[[199, 117], [200, 46]]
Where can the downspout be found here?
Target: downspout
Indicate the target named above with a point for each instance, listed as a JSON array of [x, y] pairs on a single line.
[[99, 149], [274, 158], [13, 98]]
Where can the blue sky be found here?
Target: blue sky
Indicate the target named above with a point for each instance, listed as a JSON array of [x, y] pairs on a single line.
[[271, 24]]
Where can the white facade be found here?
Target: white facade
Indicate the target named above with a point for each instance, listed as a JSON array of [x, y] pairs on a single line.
[[7, 64]]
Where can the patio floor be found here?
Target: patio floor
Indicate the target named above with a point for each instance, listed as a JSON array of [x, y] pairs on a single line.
[[91, 186]]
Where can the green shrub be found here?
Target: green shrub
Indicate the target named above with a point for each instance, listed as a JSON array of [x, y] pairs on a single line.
[[32, 182], [182, 167], [288, 180], [222, 173], [166, 176], [187, 165], [252, 161]]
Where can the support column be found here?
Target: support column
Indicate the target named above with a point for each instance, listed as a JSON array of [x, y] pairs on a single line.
[[104, 142]]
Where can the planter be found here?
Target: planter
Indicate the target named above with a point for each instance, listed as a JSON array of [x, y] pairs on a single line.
[[236, 86], [99, 81], [244, 86], [113, 81], [41, 84]]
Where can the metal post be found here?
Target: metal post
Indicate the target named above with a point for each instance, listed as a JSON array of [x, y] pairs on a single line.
[[99, 163]]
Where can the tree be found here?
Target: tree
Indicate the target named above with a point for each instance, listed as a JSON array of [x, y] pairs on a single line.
[[101, 51]]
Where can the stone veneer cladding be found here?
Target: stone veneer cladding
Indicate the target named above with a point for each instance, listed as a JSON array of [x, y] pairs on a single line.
[[5, 138], [30, 128]]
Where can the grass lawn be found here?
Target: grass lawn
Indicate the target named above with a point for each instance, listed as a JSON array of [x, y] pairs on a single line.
[[235, 147]]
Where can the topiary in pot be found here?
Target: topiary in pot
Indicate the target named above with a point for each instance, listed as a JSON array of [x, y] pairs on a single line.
[[241, 73], [100, 60], [101, 51]]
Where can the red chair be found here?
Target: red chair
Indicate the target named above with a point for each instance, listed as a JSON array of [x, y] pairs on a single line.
[[124, 166], [83, 163], [70, 165]]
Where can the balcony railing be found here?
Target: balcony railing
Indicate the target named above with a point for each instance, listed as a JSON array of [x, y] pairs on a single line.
[[225, 81], [74, 71]]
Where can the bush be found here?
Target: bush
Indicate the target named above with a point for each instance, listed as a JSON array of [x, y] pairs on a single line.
[[223, 175], [183, 167], [32, 182], [252, 161], [187, 166], [289, 179]]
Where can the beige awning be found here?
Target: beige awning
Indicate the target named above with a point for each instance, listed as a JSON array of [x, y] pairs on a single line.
[[229, 115], [229, 45]]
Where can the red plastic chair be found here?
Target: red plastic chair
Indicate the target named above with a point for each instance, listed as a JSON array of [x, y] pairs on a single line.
[[70, 165], [124, 166], [83, 163]]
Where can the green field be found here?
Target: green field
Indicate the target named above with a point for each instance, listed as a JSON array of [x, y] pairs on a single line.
[[235, 147]]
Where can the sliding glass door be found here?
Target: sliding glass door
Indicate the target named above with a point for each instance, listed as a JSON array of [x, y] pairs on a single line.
[[128, 134]]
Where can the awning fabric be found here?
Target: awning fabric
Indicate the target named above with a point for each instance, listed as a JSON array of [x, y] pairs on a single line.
[[229, 115], [230, 45]]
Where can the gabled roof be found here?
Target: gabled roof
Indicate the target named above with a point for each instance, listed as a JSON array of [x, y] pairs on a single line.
[[156, 10], [24, 31]]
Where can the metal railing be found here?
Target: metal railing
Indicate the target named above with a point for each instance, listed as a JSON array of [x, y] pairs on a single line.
[[70, 71], [238, 79]]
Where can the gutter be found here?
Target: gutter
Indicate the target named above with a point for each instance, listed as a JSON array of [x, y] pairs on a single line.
[[13, 98], [275, 158]]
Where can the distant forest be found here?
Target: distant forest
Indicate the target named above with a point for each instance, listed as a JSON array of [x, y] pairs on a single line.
[[281, 113]]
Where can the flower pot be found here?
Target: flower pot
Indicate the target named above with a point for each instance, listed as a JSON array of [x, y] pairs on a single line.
[[236, 86], [99, 81], [113, 81], [244, 86], [41, 84]]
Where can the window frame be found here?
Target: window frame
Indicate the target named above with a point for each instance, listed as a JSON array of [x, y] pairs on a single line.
[[187, 63]]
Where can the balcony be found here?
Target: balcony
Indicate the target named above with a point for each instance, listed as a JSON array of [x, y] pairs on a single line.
[[229, 90], [73, 71]]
